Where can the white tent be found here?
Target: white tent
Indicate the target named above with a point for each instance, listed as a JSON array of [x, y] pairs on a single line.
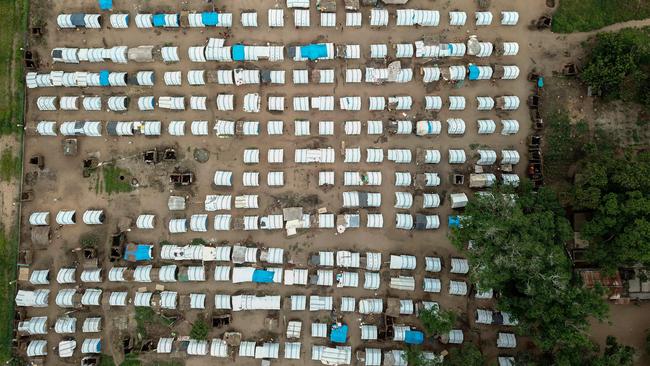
[[455, 126], [456, 103], [457, 18], [510, 48], [142, 299], [37, 348], [458, 288], [378, 17], [486, 126], [371, 306], [509, 17], [509, 126], [458, 200], [483, 18], [486, 157], [431, 156], [509, 157], [457, 156], [506, 340]]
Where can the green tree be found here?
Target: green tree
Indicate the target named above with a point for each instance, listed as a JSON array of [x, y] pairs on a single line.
[[615, 354], [617, 192], [517, 249], [468, 355], [200, 329], [617, 65], [414, 356], [437, 322]]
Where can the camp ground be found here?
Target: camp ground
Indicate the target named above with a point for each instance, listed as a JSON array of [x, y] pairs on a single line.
[[286, 172]]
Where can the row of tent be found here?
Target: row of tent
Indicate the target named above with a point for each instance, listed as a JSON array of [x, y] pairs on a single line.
[[245, 255], [327, 76], [252, 103], [73, 298], [67, 217], [237, 275], [170, 54], [158, 20], [223, 128], [377, 18], [227, 222], [252, 76], [66, 348], [373, 156], [216, 50], [335, 355]]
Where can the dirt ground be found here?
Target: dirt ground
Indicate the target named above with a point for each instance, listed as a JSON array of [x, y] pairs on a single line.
[[60, 185]]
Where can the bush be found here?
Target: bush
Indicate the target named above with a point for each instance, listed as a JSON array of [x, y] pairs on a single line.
[[617, 65], [198, 241], [89, 240], [437, 322], [200, 329]]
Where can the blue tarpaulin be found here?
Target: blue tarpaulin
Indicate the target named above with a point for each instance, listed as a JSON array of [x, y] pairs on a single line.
[[339, 333], [238, 52], [138, 252], [540, 82], [210, 18], [159, 20], [103, 77], [313, 51], [473, 72], [262, 276], [414, 337], [454, 221], [105, 4]]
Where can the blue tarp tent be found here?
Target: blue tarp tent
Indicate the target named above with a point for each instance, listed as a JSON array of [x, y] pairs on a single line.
[[473, 72], [238, 52], [159, 20], [105, 4], [313, 51], [262, 276], [413, 337], [103, 77], [138, 252], [454, 221], [210, 18], [339, 333], [540, 82]]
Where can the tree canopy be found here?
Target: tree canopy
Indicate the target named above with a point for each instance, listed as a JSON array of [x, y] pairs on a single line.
[[618, 63], [517, 249], [616, 189], [199, 329], [468, 355], [615, 354], [414, 356], [437, 322]]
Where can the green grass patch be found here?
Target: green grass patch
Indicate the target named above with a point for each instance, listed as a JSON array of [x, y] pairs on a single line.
[[131, 360], [564, 143], [587, 15], [106, 360], [147, 318], [9, 165], [12, 38], [8, 247], [165, 363], [116, 180]]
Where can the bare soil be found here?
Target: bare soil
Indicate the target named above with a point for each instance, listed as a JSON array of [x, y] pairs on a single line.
[[60, 185]]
